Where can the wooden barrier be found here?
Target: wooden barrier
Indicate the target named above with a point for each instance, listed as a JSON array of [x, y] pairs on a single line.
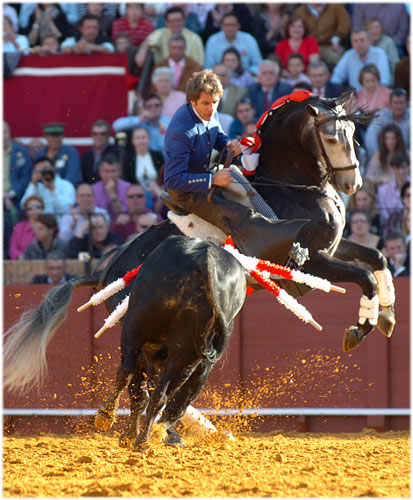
[[273, 361]]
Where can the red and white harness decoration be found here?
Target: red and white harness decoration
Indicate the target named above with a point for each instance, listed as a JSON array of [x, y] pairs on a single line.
[[260, 270]]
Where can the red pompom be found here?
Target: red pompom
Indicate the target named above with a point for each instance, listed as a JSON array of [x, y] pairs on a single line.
[[131, 275]]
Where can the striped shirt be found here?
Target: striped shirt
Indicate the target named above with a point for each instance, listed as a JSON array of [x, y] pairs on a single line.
[[138, 34]]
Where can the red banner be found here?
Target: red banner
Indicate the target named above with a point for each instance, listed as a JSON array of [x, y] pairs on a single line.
[[73, 89]]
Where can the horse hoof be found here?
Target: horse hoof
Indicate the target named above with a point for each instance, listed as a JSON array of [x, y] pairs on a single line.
[[125, 441], [143, 447], [104, 421], [386, 323], [350, 339]]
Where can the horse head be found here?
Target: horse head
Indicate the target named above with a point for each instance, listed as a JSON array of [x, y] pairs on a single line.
[[334, 128]]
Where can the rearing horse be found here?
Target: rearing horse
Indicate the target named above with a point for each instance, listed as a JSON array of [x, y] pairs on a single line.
[[307, 156]]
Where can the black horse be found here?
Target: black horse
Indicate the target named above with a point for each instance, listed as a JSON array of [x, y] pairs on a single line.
[[307, 155]]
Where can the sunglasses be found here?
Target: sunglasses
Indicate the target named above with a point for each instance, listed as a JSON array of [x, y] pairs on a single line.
[[136, 196], [33, 207]]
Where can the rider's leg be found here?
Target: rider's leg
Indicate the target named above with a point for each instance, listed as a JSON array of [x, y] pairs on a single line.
[[253, 234]]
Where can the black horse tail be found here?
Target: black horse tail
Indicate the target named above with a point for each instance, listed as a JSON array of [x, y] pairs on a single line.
[[24, 353]]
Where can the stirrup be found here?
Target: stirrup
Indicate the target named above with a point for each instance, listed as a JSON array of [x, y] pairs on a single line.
[[169, 202]]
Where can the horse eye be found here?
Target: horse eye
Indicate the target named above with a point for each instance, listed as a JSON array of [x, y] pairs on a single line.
[[331, 139]]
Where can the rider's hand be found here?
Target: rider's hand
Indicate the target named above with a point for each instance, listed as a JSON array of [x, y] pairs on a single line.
[[222, 178], [235, 147]]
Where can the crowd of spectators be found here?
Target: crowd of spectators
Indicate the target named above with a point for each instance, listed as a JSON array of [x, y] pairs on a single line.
[[59, 204]]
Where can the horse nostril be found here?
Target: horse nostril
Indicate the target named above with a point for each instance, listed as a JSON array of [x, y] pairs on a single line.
[[349, 188]]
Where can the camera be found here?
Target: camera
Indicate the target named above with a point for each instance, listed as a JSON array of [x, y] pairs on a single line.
[[48, 174]]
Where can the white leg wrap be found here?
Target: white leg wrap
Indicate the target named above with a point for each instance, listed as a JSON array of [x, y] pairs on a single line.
[[386, 292], [196, 422], [369, 310]]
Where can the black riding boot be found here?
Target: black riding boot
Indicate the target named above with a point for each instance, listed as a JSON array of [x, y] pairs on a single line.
[[253, 234]]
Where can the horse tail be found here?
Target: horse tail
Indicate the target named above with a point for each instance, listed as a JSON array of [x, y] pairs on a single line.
[[24, 353]]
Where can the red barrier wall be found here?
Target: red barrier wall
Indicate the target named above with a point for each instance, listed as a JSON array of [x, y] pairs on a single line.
[[273, 360]]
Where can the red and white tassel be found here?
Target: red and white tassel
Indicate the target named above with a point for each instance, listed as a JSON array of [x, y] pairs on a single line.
[[111, 289], [115, 316], [257, 269]]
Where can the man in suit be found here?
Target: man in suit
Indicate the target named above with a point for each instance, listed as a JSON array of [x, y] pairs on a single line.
[[192, 135], [182, 66], [232, 93], [268, 88], [56, 268], [100, 133], [320, 79]]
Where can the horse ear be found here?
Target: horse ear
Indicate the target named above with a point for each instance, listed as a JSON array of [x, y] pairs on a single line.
[[312, 110], [349, 101]]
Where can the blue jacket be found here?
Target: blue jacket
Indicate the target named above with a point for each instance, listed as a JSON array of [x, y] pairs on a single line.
[[188, 148], [20, 169], [67, 164]]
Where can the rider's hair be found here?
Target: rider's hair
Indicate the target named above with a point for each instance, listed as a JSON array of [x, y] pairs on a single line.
[[203, 81]]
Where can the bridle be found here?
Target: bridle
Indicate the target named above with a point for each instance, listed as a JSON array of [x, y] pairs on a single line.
[[330, 169]]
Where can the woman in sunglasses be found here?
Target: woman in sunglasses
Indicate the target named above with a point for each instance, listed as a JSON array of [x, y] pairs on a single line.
[[23, 233]]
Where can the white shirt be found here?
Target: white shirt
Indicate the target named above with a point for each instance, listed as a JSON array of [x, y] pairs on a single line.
[[144, 170]]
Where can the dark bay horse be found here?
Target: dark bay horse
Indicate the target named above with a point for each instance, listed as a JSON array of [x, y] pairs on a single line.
[[307, 155]]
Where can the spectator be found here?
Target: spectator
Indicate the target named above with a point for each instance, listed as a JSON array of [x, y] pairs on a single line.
[[34, 146], [122, 43], [268, 88], [275, 16], [145, 221], [84, 208], [249, 129], [398, 113], [217, 12], [56, 270], [393, 16], [23, 232], [239, 76], [100, 238], [244, 114], [100, 133], [397, 219], [379, 39], [48, 19], [13, 42], [89, 40], [17, 170], [65, 158], [126, 224], [157, 41], [402, 70], [150, 115], [192, 22], [49, 46], [297, 40], [300, 85], [163, 80], [58, 194], [231, 36], [352, 61], [395, 250], [45, 229], [141, 164], [372, 96], [389, 194], [110, 192], [295, 68], [390, 140], [105, 12], [135, 24], [360, 230], [232, 93], [320, 80], [182, 66], [11, 13], [329, 24]]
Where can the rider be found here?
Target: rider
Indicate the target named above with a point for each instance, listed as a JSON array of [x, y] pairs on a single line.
[[192, 134]]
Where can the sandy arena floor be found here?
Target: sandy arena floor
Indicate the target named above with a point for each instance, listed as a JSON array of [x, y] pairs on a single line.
[[254, 465]]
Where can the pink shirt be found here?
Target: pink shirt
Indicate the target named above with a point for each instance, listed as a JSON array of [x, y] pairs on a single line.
[[379, 100], [174, 101], [21, 237]]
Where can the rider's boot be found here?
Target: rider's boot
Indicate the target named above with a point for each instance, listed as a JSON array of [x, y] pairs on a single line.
[[252, 233]]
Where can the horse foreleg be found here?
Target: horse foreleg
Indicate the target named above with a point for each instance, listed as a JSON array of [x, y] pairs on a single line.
[[323, 265], [349, 250]]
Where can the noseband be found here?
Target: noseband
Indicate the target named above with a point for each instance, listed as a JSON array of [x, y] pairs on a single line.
[[330, 169]]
